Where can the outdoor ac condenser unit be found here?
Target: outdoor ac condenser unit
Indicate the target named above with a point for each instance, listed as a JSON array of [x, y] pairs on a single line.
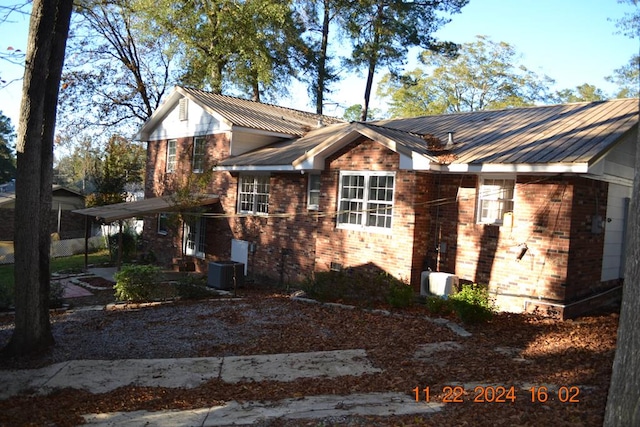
[[222, 274], [438, 283]]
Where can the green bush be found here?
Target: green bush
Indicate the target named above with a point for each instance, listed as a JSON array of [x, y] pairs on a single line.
[[56, 290], [129, 242], [400, 295], [439, 306], [193, 287], [472, 304], [362, 288], [136, 283]]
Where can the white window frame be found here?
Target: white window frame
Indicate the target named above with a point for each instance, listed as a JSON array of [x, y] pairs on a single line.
[[492, 202], [194, 236], [163, 226], [359, 206], [253, 194], [172, 157], [197, 161], [313, 192]]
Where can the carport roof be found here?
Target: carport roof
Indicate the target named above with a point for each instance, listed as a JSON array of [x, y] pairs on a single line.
[[115, 212]]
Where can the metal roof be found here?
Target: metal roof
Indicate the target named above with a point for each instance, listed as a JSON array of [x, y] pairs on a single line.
[[118, 211], [570, 133], [256, 115]]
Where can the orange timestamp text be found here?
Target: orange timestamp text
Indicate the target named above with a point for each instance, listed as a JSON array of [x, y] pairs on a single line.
[[498, 394]]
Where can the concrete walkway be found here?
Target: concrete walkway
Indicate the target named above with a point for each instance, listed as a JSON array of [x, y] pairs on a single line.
[[101, 376], [310, 407]]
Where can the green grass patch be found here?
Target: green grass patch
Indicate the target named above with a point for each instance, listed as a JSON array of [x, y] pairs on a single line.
[[71, 263]]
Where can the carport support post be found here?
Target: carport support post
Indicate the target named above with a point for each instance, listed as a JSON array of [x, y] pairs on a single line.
[[86, 242], [119, 260]]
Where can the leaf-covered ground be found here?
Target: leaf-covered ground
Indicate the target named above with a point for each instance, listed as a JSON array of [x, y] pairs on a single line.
[[564, 367]]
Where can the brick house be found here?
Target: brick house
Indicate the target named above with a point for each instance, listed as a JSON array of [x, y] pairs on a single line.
[[531, 201]]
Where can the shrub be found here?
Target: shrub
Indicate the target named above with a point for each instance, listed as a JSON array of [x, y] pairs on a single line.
[[360, 288], [136, 282], [192, 287], [129, 242], [56, 290], [400, 295], [439, 306], [472, 304]]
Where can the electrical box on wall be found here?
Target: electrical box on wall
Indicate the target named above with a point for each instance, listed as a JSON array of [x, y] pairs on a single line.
[[597, 224]]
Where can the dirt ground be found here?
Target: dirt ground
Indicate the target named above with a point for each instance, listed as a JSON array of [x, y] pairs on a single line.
[[515, 370]]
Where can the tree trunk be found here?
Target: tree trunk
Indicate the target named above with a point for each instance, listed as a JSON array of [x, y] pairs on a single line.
[[623, 402], [48, 30], [322, 60]]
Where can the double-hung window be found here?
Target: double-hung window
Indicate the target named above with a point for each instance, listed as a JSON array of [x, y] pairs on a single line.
[[199, 151], [163, 223], [171, 155], [366, 200], [313, 196], [253, 194], [495, 198]]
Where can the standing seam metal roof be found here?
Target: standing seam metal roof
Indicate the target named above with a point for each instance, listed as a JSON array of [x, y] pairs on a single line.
[[256, 115]]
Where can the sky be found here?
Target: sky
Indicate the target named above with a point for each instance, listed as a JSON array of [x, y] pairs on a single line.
[[571, 41]]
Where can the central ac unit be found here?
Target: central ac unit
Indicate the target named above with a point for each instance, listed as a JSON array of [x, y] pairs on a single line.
[[438, 283]]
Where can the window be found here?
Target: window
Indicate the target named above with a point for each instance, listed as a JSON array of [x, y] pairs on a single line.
[[163, 223], [199, 145], [366, 200], [253, 194], [194, 236], [171, 155], [313, 196], [495, 198]]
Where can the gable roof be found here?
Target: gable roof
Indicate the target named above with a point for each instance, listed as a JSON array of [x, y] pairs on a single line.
[[241, 113], [559, 138]]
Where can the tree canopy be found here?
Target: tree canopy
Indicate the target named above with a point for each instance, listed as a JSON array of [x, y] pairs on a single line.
[[484, 75], [626, 79], [381, 31]]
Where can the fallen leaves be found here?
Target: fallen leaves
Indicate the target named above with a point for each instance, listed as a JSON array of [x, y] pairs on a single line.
[[511, 350]]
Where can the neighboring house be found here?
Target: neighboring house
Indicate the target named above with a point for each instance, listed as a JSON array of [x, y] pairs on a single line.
[[63, 221], [531, 201]]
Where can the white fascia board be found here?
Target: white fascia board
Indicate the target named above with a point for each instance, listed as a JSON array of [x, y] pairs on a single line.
[[513, 168], [271, 168], [415, 162]]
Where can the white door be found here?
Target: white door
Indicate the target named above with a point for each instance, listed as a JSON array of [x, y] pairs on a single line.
[[615, 231]]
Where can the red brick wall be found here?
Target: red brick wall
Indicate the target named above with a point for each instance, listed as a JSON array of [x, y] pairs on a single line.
[[552, 216], [390, 251]]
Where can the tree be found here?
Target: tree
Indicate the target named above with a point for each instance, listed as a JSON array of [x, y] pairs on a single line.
[[318, 16], [48, 32], [352, 114], [124, 163], [253, 45], [7, 159], [483, 76], [381, 32], [582, 93], [623, 402], [626, 78], [117, 73]]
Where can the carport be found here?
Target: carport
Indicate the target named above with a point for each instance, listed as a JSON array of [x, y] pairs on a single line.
[[120, 211]]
